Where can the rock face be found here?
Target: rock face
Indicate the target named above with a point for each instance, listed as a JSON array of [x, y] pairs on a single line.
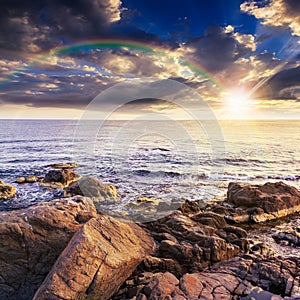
[[31, 239], [97, 260], [60, 178], [192, 243], [93, 188], [7, 191], [245, 277], [259, 203]]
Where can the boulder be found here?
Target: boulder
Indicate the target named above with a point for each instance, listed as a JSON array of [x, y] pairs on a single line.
[[7, 191], [98, 259], [93, 188], [260, 203], [60, 178], [31, 239]]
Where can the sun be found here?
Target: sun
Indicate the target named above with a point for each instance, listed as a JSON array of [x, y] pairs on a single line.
[[236, 103]]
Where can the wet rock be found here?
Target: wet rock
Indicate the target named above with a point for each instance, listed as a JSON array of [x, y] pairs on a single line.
[[69, 165], [60, 178], [31, 239], [7, 191], [98, 259], [291, 237], [93, 188], [263, 202], [147, 200]]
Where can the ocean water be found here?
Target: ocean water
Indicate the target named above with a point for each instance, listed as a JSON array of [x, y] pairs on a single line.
[[165, 160]]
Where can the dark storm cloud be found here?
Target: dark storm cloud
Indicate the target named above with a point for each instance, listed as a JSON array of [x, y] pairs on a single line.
[[284, 83], [32, 25], [218, 49]]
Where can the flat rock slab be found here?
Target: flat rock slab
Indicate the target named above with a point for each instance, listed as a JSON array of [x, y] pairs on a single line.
[[97, 260], [31, 239]]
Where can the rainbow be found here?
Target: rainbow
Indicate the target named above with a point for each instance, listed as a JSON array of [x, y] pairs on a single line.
[[87, 45]]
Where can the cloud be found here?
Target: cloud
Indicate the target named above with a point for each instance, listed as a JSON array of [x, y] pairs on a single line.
[[33, 25], [219, 47], [278, 13], [285, 84]]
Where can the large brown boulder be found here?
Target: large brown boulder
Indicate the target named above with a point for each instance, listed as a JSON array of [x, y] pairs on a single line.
[[98, 259], [7, 191], [264, 202], [93, 188], [60, 178], [31, 239]]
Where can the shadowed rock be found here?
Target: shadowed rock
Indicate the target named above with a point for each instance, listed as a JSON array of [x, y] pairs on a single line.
[[31, 239], [60, 178]]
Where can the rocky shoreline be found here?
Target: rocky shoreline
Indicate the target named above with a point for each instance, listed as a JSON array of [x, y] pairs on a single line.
[[67, 249]]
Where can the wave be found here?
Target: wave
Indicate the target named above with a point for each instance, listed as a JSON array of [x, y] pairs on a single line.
[[212, 176]]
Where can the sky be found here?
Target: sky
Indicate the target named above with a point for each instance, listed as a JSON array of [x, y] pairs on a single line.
[[241, 57]]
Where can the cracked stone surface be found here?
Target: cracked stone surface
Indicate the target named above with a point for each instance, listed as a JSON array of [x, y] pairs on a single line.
[[31, 239], [100, 256]]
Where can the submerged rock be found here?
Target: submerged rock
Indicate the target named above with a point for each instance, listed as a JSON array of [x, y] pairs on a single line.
[[93, 188], [7, 191], [60, 178], [31, 239], [98, 259]]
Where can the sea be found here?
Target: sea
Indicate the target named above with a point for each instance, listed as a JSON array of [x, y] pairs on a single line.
[[164, 160]]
